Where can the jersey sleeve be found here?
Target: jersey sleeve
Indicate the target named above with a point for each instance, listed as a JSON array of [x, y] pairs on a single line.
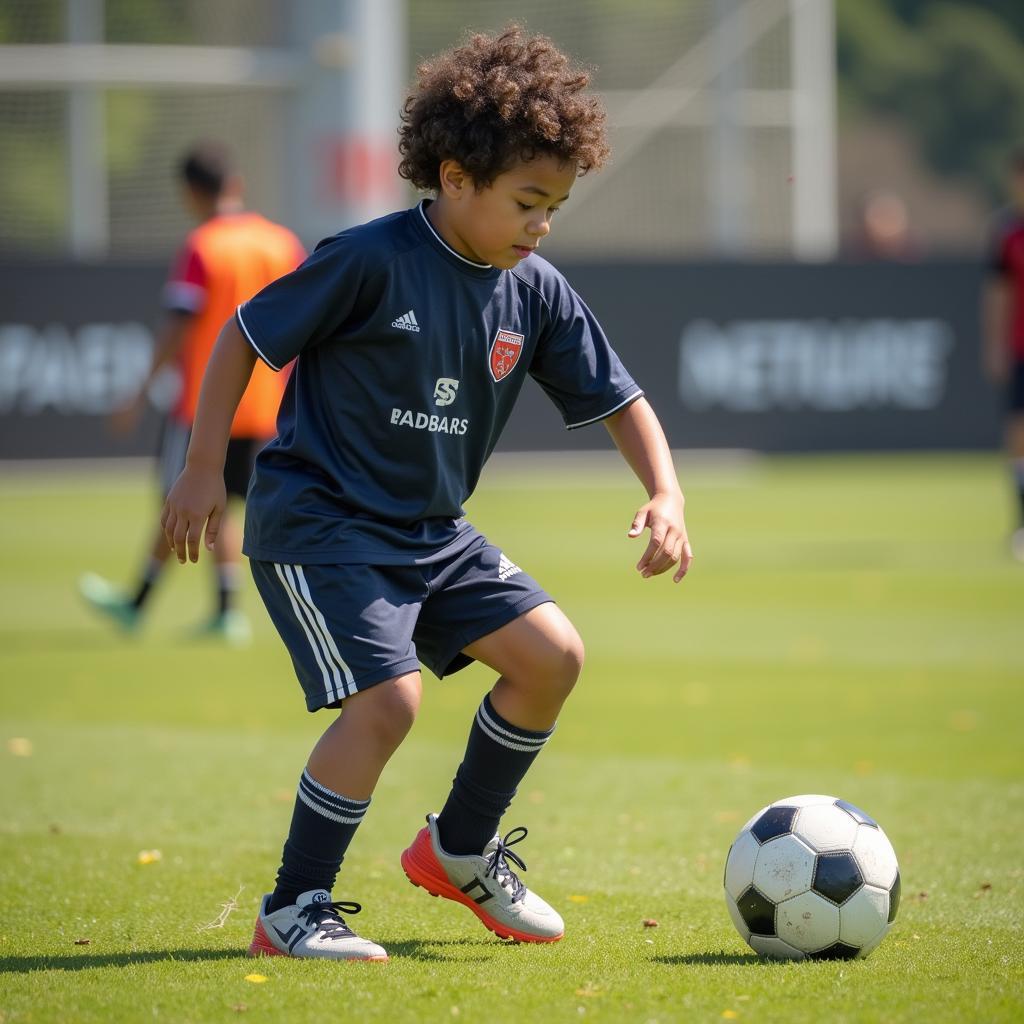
[[307, 306], [577, 367], [186, 287]]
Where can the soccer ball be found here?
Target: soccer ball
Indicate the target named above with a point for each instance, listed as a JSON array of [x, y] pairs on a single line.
[[812, 877]]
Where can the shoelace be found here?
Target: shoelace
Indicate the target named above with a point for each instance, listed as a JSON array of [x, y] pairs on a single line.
[[497, 863], [325, 918]]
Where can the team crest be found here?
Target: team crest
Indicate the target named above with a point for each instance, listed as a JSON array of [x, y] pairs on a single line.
[[505, 352]]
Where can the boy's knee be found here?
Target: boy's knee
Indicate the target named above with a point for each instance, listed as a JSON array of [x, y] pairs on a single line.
[[389, 709], [563, 660], [573, 655]]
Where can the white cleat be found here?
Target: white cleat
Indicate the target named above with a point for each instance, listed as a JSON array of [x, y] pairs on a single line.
[[484, 883], [311, 927]]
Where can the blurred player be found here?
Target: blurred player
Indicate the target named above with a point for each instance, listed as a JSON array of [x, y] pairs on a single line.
[[230, 256], [412, 336], [883, 229], [1003, 317]]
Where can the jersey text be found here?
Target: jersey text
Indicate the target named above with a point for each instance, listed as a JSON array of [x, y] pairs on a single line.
[[435, 424]]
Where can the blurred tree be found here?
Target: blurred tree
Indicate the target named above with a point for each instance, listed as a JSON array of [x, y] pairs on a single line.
[[953, 72], [1010, 11]]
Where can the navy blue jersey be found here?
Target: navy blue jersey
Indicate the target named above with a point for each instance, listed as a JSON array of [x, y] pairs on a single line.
[[408, 360]]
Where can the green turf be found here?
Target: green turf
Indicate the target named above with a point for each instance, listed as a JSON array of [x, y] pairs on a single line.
[[852, 626]]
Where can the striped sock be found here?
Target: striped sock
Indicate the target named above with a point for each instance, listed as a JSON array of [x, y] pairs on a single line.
[[323, 824], [498, 755]]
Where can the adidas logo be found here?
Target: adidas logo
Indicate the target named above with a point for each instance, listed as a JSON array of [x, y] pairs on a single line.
[[406, 322], [506, 568]]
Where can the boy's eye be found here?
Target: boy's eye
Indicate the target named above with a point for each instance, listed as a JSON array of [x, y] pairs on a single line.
[[527, 206]]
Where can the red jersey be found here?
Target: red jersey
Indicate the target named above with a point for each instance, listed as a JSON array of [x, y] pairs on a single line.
[[1007, 261], [223, 263]]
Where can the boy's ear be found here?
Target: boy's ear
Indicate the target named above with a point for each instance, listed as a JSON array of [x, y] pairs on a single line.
[[454, 180]]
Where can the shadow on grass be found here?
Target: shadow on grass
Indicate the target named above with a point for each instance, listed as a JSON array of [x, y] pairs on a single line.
[[437, 951], [715, 959], [92, 961], [447, 950]]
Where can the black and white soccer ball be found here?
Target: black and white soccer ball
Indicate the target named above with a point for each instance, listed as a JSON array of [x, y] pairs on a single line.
[[812, 877]]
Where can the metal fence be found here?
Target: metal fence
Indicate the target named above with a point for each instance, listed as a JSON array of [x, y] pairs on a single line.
[[721, 114]]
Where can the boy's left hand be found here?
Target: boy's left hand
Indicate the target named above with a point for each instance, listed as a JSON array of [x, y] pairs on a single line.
[[663, 516]]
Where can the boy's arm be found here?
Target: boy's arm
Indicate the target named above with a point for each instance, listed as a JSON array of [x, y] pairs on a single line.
[[198, 497], [638, 435]]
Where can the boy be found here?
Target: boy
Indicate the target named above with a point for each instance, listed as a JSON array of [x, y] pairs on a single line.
[[229, 257], [412, 336]]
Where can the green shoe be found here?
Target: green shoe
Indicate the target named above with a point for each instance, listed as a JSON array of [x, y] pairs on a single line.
[[233, 626], [102, 595]]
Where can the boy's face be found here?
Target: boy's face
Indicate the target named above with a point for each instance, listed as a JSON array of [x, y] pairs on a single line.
[[504, 222]]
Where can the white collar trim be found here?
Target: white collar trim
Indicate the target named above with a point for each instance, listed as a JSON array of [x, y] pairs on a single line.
[[433, 231]]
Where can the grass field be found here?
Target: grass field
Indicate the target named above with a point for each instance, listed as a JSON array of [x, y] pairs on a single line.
[[851, 626]]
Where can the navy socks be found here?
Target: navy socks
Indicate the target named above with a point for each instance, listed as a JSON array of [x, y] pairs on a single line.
[[498, 755], [323, 824]]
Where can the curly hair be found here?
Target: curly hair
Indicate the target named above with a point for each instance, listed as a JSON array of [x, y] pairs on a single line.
[[495, 100]]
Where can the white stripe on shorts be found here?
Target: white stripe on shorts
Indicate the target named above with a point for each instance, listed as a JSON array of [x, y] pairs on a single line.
[[331, 681], [332, 647], [319, 635]]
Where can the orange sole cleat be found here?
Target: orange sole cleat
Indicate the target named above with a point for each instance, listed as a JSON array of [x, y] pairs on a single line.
[[423, 869], [261, 945]]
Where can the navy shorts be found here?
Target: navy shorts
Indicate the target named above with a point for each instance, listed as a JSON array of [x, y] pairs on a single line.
[[348, 627]]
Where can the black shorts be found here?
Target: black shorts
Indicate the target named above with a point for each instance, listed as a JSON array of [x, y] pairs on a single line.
[[1015, 387], [238, 462], [349, 627]]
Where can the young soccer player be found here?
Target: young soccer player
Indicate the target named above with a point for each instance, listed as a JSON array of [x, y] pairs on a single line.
[[230, 255], [412, 336]]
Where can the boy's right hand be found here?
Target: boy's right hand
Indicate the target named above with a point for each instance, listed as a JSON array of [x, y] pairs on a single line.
[[197, 498]]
